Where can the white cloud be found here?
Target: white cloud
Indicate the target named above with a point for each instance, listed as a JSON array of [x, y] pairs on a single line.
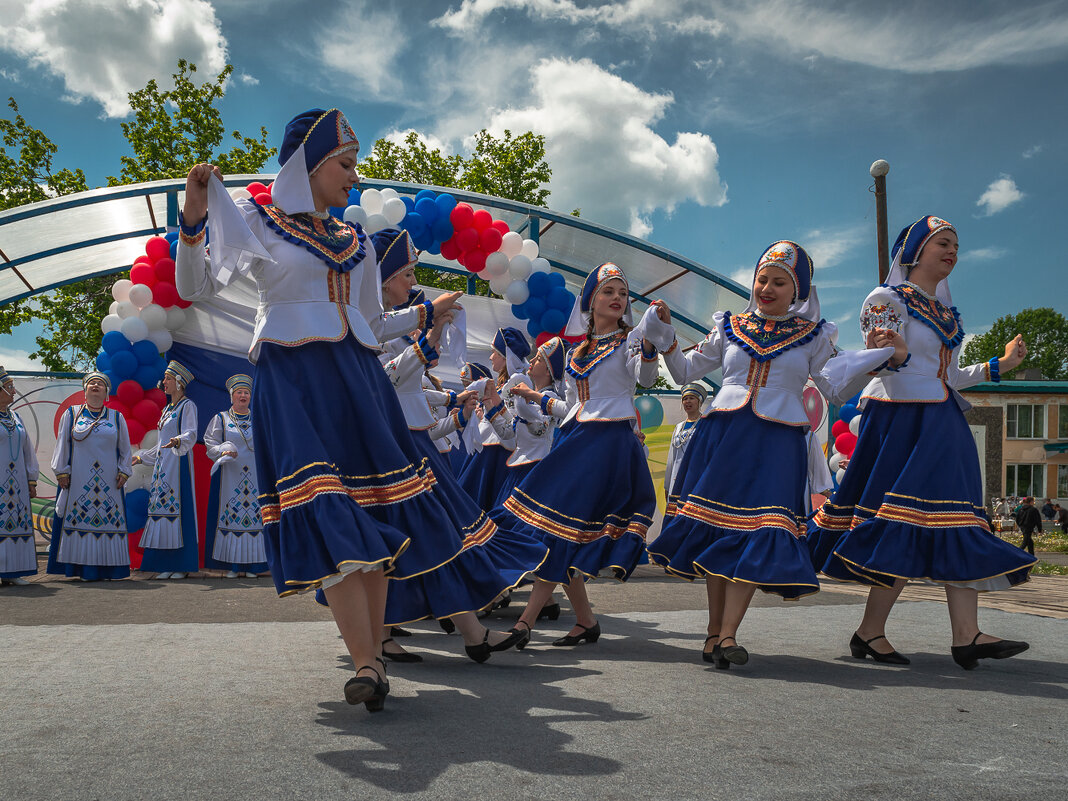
[[983, 254], [606, 157], [18, 360], [363, 42], [1032, 151], [828, 247], [103, 50], [1001, 194], [429, 140], [248, 80]]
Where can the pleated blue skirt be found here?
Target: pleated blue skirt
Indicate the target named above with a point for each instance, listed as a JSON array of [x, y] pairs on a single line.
[[910, 505], [187, 558], [210, 562], [737, 504], [590, 500], [72, 570], [484, 473]]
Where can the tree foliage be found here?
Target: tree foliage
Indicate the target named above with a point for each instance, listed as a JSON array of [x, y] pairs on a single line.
[[170, 132], [1044, 330]]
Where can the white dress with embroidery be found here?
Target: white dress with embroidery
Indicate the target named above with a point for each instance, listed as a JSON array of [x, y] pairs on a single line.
[[165, 510], [238, 524], [18, 556]]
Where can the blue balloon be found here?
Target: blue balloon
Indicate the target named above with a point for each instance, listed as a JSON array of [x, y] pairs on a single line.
[[423, 240], [427, 209], [651, 411], [534, 327], [434, 248], [145, 352], [442, 228], [354, 197], [161, 365], [446, 203], [553, 320], [147, 376], [415, 224], [103, 362], [174, 249], [171, 236], [123, 364], [855, 400], [409, 203], [113, 379], [560, 298], [848, 412], [519, 311], [535, 307], [136, 510], [114, 342], [428, 194], [338, 212], [539, 284], [557, 279]]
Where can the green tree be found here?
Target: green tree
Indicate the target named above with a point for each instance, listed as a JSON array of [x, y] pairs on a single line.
[[171, 131], [1044, 330]]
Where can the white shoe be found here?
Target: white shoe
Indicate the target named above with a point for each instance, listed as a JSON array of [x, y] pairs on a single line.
[[19, 581], [178, 575], [164, 575], [252, 575], [232, 574]]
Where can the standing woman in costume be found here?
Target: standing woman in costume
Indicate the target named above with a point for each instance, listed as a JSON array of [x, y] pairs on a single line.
[[170, 535], [18, 557], [738, 497], [233, 540], [487, 469], [911, 503], [693, 398], [92, 462], [591, 499]]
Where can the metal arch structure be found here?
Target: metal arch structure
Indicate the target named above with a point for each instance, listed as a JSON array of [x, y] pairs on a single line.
[[62, 241]]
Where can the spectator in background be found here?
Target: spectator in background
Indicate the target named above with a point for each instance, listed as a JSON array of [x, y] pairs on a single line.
[[1062, 517], [1047, 510], [1029, 521]]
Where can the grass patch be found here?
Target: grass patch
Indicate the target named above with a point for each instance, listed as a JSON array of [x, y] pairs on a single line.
[[1049, 569], [1048, 540]]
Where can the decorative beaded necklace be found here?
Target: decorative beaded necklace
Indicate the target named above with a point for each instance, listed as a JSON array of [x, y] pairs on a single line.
[[97, 417], [240, 420], [11, 423]]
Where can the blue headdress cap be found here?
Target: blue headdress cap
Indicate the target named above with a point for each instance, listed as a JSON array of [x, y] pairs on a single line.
[[907, 249], [238, 381], [513, 346], [795, 262], [472, 371], [580, 313], [394, 250], [695, 389], [310, 139], [96, 374], [552, 350], [180, 372], [5, 378]]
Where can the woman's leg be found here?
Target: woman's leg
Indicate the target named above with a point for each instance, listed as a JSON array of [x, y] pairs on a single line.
[[876, 611], [715, 588], [736, 598], [358, 604], [963, 604], [580, 602], [474, 633], [540, 593]]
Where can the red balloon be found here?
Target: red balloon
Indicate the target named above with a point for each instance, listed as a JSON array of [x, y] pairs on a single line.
[[182, 303], [490, 240], [542, 338], [118, 406], [569, 339], [482, 219], [501, 226], [270, 187], [449, 249], [146, 413], [164, 271], [137, 431], [144, 259], [165, 294], [466, 239], [461, 216], [475, 260], [263, 198], [157, 396], [157, 248], [845, 443], [460, 258], [130, 393], [143, 274], [256, 188], [839, 427]]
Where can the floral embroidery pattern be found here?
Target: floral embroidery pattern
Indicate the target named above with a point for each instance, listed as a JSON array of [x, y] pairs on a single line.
[[765, 339], [340, 245], [581, 367], [943, 320], [879, 315]]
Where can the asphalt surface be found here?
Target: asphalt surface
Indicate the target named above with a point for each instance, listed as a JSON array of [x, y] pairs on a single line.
[[213, 688]]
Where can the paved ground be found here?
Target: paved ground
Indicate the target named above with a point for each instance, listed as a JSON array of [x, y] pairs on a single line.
[[216, 688]]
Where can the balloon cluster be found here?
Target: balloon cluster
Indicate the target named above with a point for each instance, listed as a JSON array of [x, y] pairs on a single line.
[[476, 236], [844, 430], [547, 307]]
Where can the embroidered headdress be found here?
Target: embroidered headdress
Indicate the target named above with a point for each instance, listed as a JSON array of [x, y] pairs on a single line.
[[310, 139], [472, 371], [697, 390], [5, 378], [552, 350], [394, 250], [238, 381], [180, 372], [579, 322], [795, 262], [96, 374], [513, 346], [907, 249]]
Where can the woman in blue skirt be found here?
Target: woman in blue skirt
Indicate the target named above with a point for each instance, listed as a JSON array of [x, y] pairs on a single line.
[[734, 511], [591, 499], [346, 495], [911, 503]]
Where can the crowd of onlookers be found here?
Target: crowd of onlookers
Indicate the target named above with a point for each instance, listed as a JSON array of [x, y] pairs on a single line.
[[1028, 518]]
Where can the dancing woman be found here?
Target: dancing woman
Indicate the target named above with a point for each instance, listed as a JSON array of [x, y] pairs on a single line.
[[910, 506]]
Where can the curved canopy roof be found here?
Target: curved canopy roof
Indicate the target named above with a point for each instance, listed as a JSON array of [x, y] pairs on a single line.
[[62, 241]]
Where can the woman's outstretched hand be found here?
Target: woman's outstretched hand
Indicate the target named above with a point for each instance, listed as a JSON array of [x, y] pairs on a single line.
[[196, 192]]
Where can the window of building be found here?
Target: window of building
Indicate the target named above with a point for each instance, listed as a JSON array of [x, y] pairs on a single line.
[[1025, 421], [1062, 422], [1062, 480], [1025, 479]]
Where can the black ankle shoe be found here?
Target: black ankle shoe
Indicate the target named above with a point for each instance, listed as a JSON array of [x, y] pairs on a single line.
[[481, 652], [397, 631], [517, 637], [968, 656], [590, 635], [447, 625], [401, 656], [862, 648], [733, 654], [549, 612], [371, 692], [707, 655]]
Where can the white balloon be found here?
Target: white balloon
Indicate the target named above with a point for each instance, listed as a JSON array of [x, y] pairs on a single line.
[[134, 329], [519, 268], [120, 290], [499, 285], [371, 200], [111, 323], [512, 244], [854, 424], [155, 316], [388, 194], [834, 461], [240, 193], [394, 210], [530, 249], [114, 307], [356, 214], [375, 223], [150, 440], [140, 295], [175, 318], [540, 265], [517, 292], [840, 474], [496, 266], [162, 340], [126, 309]]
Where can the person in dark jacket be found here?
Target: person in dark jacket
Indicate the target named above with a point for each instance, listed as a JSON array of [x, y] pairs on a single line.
[[1029, 521]]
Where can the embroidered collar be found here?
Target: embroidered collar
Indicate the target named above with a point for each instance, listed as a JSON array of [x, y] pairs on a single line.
[[764, 338], [599, 350], [943, 320], [340, 245]]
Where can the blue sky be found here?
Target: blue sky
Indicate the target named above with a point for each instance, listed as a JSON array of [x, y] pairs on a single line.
[[711, 128]]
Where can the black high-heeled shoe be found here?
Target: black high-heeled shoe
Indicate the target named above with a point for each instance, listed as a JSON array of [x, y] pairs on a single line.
[[400, 656], [732, 654], [367, 691], [715, 656], [549, 612], [589, 634], [968, 656], [447, 625], [397, 631], [481, 652], [862, 648], [517, 638]]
